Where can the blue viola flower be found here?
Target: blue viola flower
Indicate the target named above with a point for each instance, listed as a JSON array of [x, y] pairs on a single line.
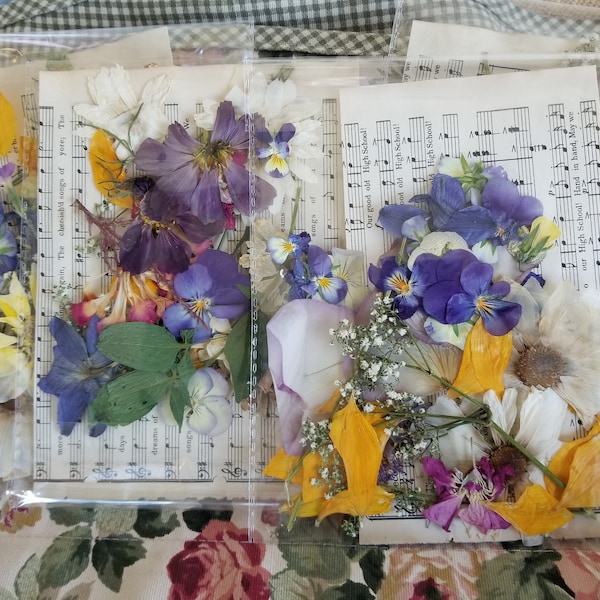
[[450, 211], [211, 287], [404, 221], [510, 210], [459, 287], [407, 286], [281, 248], [320, 277], [77, 373], [275, 149]]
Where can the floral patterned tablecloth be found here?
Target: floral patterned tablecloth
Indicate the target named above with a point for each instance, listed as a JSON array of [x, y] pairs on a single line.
[[133, 552]]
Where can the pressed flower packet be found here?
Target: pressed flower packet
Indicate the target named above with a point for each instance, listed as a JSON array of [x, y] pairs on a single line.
[[471, 204], [144, 321]]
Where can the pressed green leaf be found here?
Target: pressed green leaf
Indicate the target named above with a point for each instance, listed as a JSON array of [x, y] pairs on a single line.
[[141, 346], [237, 352], [155, 522], [71, 515], [66, 558], [350, 589], [26, 582], [111, 556], [178, 400], [129, 398], [289, 585]]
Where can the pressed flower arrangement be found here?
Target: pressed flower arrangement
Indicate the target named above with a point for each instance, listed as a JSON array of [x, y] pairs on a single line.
[[172, 328], [459, 364]]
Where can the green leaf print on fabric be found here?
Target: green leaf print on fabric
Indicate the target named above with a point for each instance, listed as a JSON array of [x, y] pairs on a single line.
[[530, 574], [71, 515], [111, 556], [153, 523], [372, 567], [66, 558], [26, 582]]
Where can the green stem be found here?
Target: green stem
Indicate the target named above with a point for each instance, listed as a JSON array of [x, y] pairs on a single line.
[[295, 211]]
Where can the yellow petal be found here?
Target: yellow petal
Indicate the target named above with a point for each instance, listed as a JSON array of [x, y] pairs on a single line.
[[344, 503], [108, 171], [28, 153], [358, 444], [535, 512], [281, 465], [562, 462], [8, 125], [484, 360]]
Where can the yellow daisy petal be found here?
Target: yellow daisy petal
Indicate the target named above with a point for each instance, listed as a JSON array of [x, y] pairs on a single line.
[[536, 512], [485, 358]]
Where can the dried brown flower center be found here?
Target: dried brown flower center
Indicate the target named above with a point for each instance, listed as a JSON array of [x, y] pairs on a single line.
[[508, 455], [541, 366]]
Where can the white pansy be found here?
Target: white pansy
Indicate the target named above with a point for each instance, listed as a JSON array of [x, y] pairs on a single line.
[[348, 264], [438, 243], [211, 412], [118, 110]]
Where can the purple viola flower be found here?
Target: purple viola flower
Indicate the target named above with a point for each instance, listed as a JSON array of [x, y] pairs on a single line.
[[481, 484], [484, 298], [206, 173], [510, 210], [321, 280], [275, 149], [8, 245], [210, 287], [7, 171], [281, 248], [404, 221], [160, 236], [450, 211], [407, 287], [77, 373], [458, 287]]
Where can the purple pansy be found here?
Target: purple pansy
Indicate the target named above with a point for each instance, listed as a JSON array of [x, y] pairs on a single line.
[[208, 172], [281, 248], [481, 484], [78, 372], [320, 278], [450, 211], [510, 210], [404, 221], [407, 287], [210, 287], [275, 149], [458, 287], [160, 236]]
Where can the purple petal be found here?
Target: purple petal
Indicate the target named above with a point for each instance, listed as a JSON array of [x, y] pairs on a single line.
[[206, 202], [319, 262], [393, 217], [441, 476], [286, 133], [177, 318], [263, 136], [443, 512], [473, 223], [228, 129], [447, 197], [238, 182], [459, 309], [436, 298], [503, 199], [483, 518], [72, 405], [501, 316], [68, 341], [476, 278]]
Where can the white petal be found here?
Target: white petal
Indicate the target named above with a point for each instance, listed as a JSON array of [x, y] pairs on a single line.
[[212, 417]]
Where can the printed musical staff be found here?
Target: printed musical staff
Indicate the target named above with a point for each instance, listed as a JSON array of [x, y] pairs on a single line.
[[450, 135], [332, 194]]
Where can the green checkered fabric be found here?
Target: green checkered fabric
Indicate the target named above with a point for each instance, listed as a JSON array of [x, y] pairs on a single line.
[[327, 27]]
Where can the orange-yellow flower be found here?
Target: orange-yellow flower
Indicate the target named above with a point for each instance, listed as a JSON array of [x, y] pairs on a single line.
[[485, 358], [359, 446], [108, 171], [8, 125]]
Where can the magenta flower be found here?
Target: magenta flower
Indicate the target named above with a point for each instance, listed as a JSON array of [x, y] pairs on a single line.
[[210, 287], [207, 173], [481, 484]]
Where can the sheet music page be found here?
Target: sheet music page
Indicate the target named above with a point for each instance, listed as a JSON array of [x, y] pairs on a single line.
[[541, 126], [441, 50], [149, 451]]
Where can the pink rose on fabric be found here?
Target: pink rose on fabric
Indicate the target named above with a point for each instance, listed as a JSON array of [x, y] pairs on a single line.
[[219, 564], [303, 362]]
